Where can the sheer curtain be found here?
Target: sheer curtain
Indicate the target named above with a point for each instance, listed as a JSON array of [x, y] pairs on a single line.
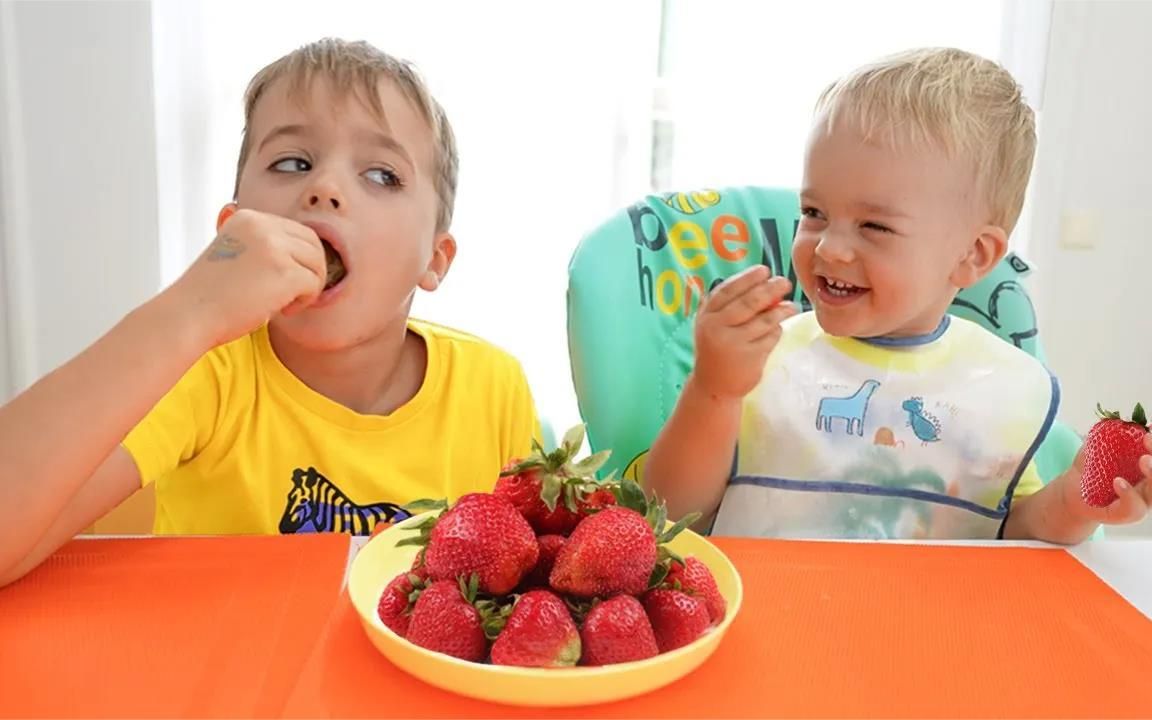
[[563, 112]]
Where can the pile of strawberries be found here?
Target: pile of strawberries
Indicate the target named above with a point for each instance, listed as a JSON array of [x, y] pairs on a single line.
[[552, 569]]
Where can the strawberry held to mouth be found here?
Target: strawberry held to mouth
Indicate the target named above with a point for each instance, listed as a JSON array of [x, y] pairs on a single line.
[[1112, 450], [334, 248], [335, 265]]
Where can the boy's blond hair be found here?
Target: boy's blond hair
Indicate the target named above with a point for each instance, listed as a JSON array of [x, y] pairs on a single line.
[[358, 68], [965, 104]]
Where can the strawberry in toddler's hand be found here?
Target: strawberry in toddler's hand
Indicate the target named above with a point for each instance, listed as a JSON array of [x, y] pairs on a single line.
[[1112, 450]]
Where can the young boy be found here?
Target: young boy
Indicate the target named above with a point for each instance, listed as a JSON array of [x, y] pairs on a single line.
[[279, 385], [878, 415]]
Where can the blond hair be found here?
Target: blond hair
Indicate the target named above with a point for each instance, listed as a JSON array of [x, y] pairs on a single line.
[[965, 104], [358, 68]]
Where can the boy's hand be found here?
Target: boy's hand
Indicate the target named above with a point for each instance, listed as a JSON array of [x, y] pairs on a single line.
[[737, 326], [1132, 504], [258, 265]]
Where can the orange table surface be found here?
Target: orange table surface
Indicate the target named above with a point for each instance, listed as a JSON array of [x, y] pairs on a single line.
[[255, 627]]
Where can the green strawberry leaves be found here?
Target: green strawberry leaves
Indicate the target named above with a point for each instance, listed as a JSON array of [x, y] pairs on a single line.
[[1139, 416]]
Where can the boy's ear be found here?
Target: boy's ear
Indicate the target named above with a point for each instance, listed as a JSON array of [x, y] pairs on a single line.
[[981, 257], [443, 253], [225, 212]]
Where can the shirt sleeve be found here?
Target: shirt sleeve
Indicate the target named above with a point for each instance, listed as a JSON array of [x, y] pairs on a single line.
[[180, 425]]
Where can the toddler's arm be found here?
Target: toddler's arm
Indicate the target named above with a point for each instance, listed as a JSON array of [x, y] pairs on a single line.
[[736, 329]]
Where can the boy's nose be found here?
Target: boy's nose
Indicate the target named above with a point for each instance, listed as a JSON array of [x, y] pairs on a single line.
[[323, 192], [319, 199]]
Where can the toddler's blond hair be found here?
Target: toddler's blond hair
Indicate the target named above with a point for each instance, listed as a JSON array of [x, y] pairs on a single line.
[[967, 105]]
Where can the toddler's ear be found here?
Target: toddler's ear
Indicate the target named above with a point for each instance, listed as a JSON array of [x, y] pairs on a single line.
[[225, 212], [443, 254], [982, 255]]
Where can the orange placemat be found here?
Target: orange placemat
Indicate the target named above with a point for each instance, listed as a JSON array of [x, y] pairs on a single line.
[[191, 627], [843, 630]]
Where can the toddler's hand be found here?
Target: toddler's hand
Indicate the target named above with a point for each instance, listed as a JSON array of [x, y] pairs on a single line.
[[1132, 503], [737, 327]]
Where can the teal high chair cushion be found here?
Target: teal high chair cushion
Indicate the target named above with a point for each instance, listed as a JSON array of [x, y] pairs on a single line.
[[636, 281]]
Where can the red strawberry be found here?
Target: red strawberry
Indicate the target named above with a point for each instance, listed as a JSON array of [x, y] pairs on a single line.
[[524, 490], [482, 534], [445, 620], [677, 618], [617, 631], [548, 488], [616, 549], [596, 501], [549, 548], [419, 569], [395, 604], [695, 578], [613, 551], [1113, 449], [539, 633]]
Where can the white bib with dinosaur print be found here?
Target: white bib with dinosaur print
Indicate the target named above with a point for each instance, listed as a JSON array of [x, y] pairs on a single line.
[[927, 438]]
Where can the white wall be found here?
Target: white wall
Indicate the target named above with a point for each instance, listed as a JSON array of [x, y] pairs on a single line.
[[1095, 162], [77, 175]]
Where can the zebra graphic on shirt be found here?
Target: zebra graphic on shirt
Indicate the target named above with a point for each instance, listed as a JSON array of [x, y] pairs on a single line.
[[315, 504]]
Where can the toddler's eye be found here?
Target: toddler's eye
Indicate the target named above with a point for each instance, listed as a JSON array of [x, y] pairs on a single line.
[[382, 176]]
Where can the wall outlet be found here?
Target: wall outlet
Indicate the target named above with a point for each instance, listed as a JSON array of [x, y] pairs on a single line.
[[1079, 230]]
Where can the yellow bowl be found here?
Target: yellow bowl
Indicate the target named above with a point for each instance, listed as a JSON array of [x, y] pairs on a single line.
[[380, 560]]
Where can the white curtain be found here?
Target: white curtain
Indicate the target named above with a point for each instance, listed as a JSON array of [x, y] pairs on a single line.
[[554, 106]]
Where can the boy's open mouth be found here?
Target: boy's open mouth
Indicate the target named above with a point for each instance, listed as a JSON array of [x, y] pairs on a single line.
[[335, 263]]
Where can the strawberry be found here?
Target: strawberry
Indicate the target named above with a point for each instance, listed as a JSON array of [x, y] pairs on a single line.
[[481, 534], [694, 578], [396, 601], [677, 618], [444, 619], [419, 569], [539, 633], [549, 548], [615, 550], [549, 488], [1113, 449], [596, 501], [523, 489], [617, 631]]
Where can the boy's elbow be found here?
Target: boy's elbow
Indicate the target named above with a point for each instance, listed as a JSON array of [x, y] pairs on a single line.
[[12, 572]]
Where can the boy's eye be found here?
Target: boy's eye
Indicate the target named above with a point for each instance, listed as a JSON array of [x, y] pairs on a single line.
[[810, 212], [382, 176], [291, 165], [877, 226]]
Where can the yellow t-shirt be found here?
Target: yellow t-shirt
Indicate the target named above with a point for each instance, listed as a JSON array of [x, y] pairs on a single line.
[[241, 445]]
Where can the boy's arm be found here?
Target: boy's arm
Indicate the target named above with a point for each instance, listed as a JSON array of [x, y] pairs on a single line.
[[114, 482], [1058, 514], [63, 432], [737, 327], [57, 434]]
